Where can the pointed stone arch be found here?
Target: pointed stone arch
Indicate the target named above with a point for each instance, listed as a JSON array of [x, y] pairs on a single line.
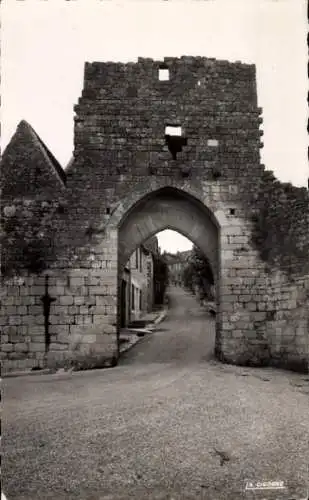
[[168, 207]]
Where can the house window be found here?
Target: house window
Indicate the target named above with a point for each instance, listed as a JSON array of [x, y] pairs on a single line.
[[140, 300], [173, 130], [132, 298], [213, 143], [140, 260], [136, 258], [174, 139], [164, 74]]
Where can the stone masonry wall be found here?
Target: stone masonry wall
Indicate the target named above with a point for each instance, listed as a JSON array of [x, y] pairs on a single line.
[[74, 333], [121, 164], [32, 203]]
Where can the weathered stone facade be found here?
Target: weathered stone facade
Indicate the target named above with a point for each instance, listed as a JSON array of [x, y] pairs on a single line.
[[176, 265], [138, 283], [127, 182]]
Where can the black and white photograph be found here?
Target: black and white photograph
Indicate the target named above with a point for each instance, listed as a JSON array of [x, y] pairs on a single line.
[[154, 284]]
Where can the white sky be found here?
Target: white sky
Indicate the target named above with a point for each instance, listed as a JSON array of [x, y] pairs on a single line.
[[45, 44]]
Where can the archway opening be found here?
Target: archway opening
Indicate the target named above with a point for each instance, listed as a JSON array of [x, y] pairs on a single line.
[[150, 220]]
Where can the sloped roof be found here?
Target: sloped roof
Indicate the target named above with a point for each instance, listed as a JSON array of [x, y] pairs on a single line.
[[25, 152], [151, 245], [54, 164], [69, 165]]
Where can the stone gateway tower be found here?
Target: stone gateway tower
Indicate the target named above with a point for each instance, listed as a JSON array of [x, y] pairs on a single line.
[[158, 144]]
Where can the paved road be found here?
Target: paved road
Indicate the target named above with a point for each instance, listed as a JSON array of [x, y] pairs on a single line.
[[184, 337], [168, 422]]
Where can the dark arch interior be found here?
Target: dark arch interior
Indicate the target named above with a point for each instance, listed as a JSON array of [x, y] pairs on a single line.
[[168, 208], [167, 193]]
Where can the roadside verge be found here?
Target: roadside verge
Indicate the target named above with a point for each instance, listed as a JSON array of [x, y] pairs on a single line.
[[130, 336]]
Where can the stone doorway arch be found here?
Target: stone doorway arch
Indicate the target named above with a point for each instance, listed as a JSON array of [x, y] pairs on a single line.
[[169, 207]]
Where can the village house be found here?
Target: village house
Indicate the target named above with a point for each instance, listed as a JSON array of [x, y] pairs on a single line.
[[137, 285], [176, 265]]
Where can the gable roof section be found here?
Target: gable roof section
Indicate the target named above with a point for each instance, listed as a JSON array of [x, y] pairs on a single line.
[[28, 166], [152, 245], [51, 159], [69, 165]]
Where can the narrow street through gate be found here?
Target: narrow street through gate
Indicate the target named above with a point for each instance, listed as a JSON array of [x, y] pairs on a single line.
[[187, 335]]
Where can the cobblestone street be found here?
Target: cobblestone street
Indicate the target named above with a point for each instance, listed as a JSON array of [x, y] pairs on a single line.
[[168, 422]]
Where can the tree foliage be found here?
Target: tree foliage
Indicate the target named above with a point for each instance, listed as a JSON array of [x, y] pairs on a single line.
[[198, 272], [160, 274]]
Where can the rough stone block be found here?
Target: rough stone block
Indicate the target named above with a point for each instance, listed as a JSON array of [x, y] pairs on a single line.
[[35, 330], [14, 320], [63, 338], [37, 290], [229, 298], [88, 320], [85, 309], [29, 320], [17, 355], [101, 300], [79, 301], [66, 300], [99, 310], [8, 300], [7, 347], [98, 290], [258, 316], [28, 300], [21, 347], [13, 291], [55, 291], [38, 320], [37, 347], [59, 329], [77, 281], [22, 310], [89, 339], [83, 320], [76, 290], [55, 319], [237, 334], [39, 356], [245, 298], [261, 306], [73, 310], [10, 310], [35, 310], [58, 347]]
